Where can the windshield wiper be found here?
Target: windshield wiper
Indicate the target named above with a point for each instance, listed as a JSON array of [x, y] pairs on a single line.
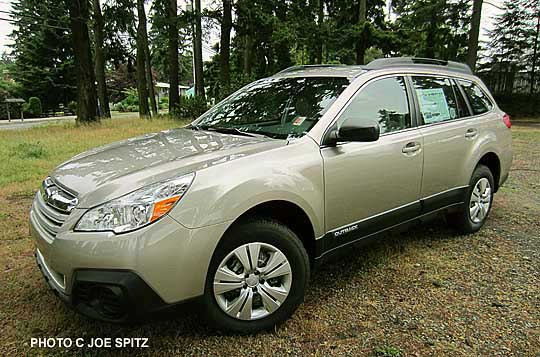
[[223, 130]]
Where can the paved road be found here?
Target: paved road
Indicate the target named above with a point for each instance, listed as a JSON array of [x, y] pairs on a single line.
[[29, 123]]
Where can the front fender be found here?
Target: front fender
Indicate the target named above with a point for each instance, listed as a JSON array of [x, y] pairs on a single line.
[[221, 193]]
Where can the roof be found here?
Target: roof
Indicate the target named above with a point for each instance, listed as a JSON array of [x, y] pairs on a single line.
[[167, 85], [322, 70], [337, 70], [416, 62], [14, 100]]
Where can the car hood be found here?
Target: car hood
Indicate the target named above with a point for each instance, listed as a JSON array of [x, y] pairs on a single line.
[[116, 169]]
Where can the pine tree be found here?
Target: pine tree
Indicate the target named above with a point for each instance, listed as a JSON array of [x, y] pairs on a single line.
[[432, 28], [42, 50]]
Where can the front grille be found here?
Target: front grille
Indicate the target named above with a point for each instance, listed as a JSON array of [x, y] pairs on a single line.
[[51, 207]]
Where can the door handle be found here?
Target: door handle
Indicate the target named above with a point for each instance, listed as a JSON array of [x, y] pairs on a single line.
[[411, 147], [471, 133]]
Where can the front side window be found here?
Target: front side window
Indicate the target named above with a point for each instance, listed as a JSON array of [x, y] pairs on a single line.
[[479, 101], [436, 99], [383, 101], [277, 107]]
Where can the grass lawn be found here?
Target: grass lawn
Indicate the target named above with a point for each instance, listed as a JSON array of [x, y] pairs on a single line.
[[422, 291]]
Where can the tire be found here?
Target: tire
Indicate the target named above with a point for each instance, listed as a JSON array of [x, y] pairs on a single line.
[[287, 283], [472, 215]]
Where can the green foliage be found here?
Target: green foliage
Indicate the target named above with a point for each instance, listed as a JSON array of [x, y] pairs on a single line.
[[72, 107], [512, 39], [432, 28], [119, 31], [158, 40], [43, 53], [190, 107], [29, 150], [8, 89], [163, 102], [388, 351], [130, 103], [33, 107]]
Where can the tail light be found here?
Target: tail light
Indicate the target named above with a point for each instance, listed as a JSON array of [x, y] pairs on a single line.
[[506, 120]]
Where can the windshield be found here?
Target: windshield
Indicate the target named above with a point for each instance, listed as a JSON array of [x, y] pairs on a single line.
[[277, 107]]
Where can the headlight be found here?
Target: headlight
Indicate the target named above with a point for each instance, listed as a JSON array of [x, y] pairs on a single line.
[[136, 209]]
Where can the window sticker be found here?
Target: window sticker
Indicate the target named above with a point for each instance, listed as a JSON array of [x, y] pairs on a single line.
[[298, 121], [433, 105]]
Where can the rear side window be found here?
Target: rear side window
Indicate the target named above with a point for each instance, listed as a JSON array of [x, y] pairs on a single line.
[[384, 101], [436, 98], [479, 101], [463, 110]]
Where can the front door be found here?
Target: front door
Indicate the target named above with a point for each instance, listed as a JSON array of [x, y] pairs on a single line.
[[373, 185]]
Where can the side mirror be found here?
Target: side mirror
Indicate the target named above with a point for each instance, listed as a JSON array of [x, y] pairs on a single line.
[[351, 130]]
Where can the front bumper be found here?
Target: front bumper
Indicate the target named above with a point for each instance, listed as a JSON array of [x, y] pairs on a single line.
[[114, 296], [135, 273]]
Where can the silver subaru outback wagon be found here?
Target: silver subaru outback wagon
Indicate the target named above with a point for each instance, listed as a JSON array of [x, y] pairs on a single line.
[[236, 208]]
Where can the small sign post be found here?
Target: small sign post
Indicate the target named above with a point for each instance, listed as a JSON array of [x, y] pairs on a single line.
[[19, 101]]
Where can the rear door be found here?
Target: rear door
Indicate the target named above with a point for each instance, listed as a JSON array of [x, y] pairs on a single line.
[[449, 138], [373, 185]]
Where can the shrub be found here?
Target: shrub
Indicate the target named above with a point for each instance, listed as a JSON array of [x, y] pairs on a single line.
[[130, 103], [29, 150], [163, 102], [72, 107], [190, 107], [33, 107]]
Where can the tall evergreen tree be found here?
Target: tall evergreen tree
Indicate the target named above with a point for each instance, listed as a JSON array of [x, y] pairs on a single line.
[[197, 49], [432, 28], [172, 17], [225, 43], [104, 110], [86, 89], [42, 51], [512, 42], [474, 31], [142, 85]]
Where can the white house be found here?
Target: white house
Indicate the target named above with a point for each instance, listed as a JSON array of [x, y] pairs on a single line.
[[162, 89]]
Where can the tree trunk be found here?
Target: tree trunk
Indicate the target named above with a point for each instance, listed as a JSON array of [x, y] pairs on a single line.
[[361, 44], [535, 54], [86, 89], [174, 97], [320, 21], [104, 110], [142, 87], [225, 43], [199, 80], [148, 64], [150, 80], [474, 31], [432, 27], [248, 53]]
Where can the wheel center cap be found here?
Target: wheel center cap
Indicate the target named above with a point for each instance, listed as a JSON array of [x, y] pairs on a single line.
[[252, 280]]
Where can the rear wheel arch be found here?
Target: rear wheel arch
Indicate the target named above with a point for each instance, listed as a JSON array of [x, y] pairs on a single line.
[[493, 163]]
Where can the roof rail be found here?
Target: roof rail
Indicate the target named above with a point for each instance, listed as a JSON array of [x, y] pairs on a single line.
[[381, 63], [306, 66]]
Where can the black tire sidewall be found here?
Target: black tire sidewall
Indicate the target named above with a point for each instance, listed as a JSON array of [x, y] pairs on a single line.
[[264, 231]]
